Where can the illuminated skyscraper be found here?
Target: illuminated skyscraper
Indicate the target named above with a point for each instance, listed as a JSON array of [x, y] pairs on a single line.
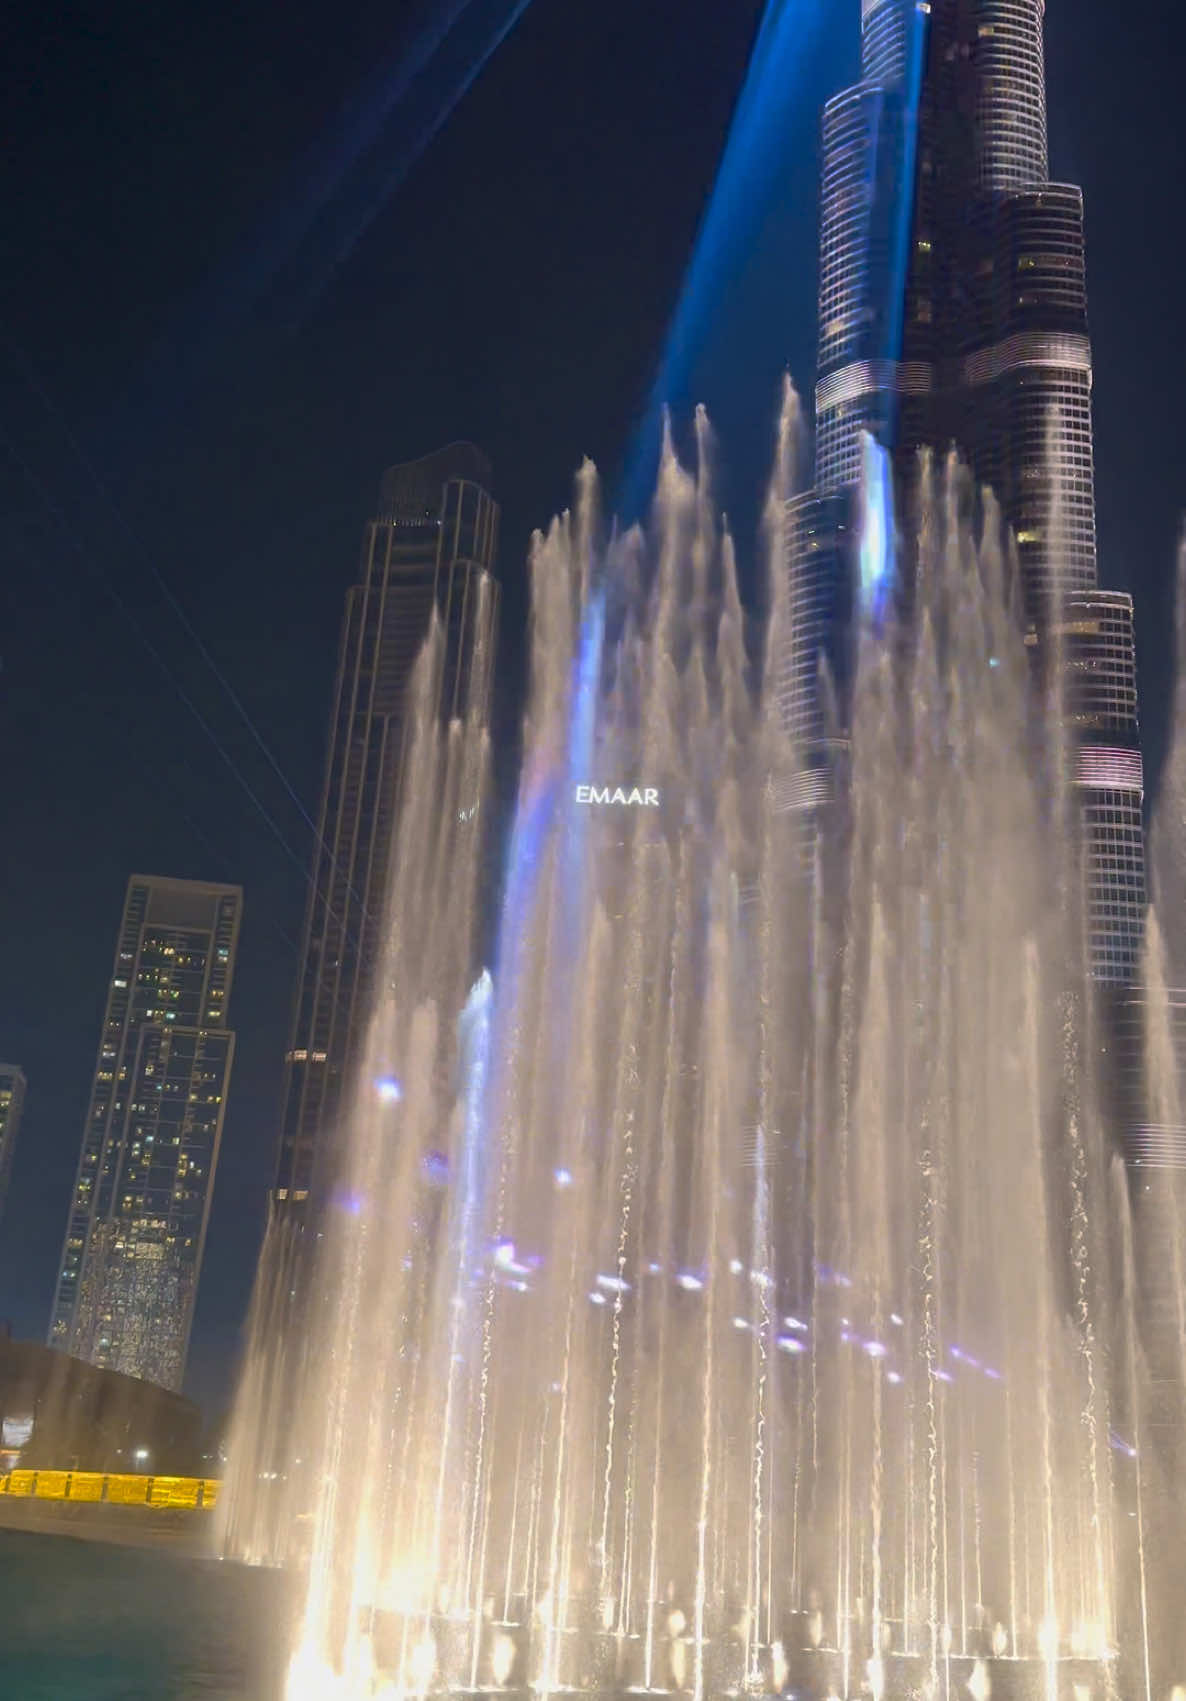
[[953, 310], [431, 546], [12, 1100], [137, 1225]]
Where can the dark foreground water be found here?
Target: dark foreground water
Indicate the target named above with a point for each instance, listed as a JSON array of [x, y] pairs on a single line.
[[86, 1621]]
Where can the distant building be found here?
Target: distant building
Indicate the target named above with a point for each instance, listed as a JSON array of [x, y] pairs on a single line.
[[953, 310], [431, 546], [137, 1226], [12, 1101]]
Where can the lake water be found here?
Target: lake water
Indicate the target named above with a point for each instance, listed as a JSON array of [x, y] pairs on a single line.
[[86, 1621]]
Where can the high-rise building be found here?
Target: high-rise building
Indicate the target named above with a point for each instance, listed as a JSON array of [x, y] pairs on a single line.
[[12, 1102], [953, 310], [431, 547], [137, 1225]]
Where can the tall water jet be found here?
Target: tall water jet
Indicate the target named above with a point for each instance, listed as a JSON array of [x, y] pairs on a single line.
[[695, 1302]]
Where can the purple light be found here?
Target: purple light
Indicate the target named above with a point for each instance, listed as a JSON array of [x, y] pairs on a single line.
[[389, 1090], [597, 1298], [896, 1320], [435, 1166], [690, 1281], [894, 1377], [504, 1254], [562, 1177], [613, 1284], [794, 1323], [875, 1349], [790, 1344], [943, 1376]]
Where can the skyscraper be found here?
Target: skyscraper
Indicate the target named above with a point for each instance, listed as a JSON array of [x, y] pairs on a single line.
[[431, 547], [12, 1102], [953, 310], [137, 1226]]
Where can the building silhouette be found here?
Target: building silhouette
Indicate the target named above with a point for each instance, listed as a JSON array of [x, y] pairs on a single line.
[[953, 311], [431, 547], [12, 1103], [136, 1231]]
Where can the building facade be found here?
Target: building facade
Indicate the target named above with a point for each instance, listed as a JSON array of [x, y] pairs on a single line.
[[430, 550], [136, 1232], [953, 311], [12, 1103]]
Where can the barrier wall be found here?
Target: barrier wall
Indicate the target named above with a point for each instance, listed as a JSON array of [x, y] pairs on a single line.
[[188, 1493]]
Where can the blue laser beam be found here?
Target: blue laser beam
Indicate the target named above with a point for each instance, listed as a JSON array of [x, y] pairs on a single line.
[[917, 29], [745, 194], [459, 59], [335, 190]]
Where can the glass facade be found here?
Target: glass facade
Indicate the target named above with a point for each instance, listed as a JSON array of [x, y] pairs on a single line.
[[430, 550], [136, 1232], [12, 1101], [1093, 641], [953, 310]]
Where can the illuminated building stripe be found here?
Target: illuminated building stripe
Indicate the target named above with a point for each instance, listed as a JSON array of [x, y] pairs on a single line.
[[807, 789], [1104, 769], [1067, 351], [1158, 1146], [874, 377]]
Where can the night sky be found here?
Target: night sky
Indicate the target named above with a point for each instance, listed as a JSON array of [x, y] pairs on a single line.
[[246, 262]]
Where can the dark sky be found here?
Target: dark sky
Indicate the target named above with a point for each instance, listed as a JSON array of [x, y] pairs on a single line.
[[199, 391]]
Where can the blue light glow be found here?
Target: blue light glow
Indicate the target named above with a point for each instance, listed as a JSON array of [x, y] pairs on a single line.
[[903, 175], [747, 221], [390, 1090], [877, 529]]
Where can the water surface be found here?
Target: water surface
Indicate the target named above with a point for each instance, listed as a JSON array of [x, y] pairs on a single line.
[[87, 1621]]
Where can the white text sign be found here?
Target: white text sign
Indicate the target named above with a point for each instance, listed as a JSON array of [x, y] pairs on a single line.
[[638, 797]]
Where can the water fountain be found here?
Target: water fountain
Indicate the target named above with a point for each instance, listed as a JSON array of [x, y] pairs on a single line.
[[724, 1296]]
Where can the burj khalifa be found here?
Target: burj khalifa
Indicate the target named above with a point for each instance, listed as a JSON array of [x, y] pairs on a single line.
[[953, 315]]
